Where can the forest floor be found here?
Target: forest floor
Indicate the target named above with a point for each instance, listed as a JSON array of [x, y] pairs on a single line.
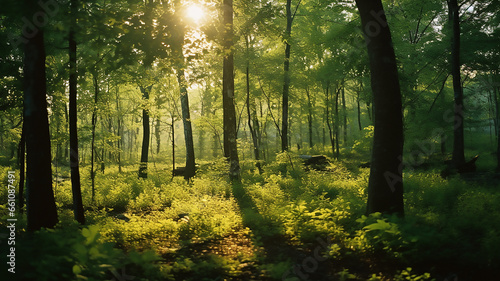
[[285, 224]]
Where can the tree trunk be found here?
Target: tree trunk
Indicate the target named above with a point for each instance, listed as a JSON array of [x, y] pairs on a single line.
[[94, 123], [309, 118], [359, 113], [119, 130], [186, 121], [458, 157], [327, 113], [252, 118], [143, 166], [229, 112], [41, 207], [21, 156], [173, 144], [385, 188], [337, 125], [158, 134], [286, 82], [344, 115], [73, 134]]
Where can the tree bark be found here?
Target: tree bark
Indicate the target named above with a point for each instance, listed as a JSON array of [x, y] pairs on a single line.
[[359, 113], [143, 166], [188, 130], [158, 134], [309, 118], [173, 143], [337, 125], [327, 114], [229, 112], [344, 115], [21, 157], [94, 123], [119, 130], [286, 80], [458, 157], [252, 118], [41, 207], [73, 134], [385, 188]]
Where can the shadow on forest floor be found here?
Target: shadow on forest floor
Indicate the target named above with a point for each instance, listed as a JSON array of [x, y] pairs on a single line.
[[278, 249]]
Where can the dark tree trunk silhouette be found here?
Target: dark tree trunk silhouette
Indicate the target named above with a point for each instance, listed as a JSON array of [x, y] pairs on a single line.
[[359, 112], [172, 127], [344, 115], [286, 82], [119, 130], [73, 135], [251, 112], [327, 116], [92, 143], [21, 156], [458, 157], [186, 121], [229, 112], [143, 166], [337, 123], [41, 207], [385, 188], [158, 134], [309, 118]]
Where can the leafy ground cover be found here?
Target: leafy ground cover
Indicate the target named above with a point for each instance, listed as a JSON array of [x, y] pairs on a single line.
[[285, 224]]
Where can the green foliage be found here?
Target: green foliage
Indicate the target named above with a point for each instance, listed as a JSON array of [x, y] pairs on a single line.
[[178, 223], [70, 254], [286, 163], [381, 235], [306, 221], [406, 274], [362, 148]]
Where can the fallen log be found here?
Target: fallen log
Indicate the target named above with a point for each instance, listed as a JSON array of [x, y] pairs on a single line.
[[468, 167], [316, 162]]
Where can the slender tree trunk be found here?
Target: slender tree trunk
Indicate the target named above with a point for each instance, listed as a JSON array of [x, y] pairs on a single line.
[[41, 207], [252, 118], [229, 112], [66, 146], [143, 166], [359, 113], [309, 118], [385, 188], [21, 157], [73, 134], [286, 82], [119, 130], [458, 157], [92, 144], [188, 131], [328, 123], [173, 144], [158, 134], [337, 123], [344, 114]]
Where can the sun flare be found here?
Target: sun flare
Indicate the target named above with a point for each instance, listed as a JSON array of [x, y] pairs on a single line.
[[195, 13]]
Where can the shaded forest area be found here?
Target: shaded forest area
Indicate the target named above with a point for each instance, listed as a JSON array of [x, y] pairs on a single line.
[[250, 140]]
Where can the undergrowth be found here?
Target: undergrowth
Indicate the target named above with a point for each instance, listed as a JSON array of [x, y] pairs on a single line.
[[165, 228]]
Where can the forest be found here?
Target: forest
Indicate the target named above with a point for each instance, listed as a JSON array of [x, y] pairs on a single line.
[[250, 140]]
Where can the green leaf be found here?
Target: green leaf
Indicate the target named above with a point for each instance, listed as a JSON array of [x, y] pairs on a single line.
[[77, 269]]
